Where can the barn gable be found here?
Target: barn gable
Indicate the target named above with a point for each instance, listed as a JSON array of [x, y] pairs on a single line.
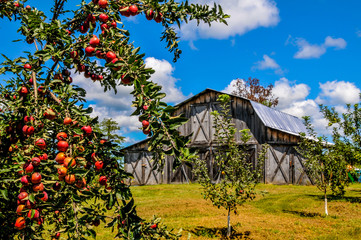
[[266, 125]]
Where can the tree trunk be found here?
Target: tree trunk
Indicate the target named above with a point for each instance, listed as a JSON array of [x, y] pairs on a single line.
[[326, 211], [229, 223]]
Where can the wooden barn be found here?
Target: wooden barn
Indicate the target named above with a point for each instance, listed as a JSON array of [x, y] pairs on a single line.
[[267, 125]]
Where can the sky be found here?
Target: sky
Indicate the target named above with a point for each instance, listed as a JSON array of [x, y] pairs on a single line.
[[310, 50]]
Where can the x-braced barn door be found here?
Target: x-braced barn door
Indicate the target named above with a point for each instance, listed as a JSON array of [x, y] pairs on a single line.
[[202, 122], [142, 169], [285, 166]]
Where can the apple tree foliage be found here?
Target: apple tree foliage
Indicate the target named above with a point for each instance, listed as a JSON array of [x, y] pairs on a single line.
[[324, 162], [238, 176], [346, 131], [54, 169]]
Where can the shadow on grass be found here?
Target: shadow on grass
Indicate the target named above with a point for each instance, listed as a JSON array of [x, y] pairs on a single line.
[[337, 198], [219, 233], [303, 213]]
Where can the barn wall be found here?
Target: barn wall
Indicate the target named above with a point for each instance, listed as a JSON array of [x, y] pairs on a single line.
[[283, 165], [198, 111]]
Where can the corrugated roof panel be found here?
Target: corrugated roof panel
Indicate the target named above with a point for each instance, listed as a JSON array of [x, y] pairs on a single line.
[[279, 120]]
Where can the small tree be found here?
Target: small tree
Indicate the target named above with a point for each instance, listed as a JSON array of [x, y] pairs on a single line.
[[109, 128], [346, 132], [324, 162], [252, 90], [238, 177]]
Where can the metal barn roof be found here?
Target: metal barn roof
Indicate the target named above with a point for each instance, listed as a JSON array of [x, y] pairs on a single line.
[[278, 120]]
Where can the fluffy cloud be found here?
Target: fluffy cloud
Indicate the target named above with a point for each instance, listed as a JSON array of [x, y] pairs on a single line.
[[338, 43], [293, 100], [246, 15], [307, 50], [163, 76], [289, 93], [118, 106], [230, 88], [268, 63], [338, 93]]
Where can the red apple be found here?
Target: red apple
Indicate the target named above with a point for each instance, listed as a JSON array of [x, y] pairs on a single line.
[[67, 121], [43, 157], [40, 143], [87, 129], [27, 66], [28, 130], [103, 180], [103, 18], [36, 178], [35, 161], [99, 165], [133, 9], [28, 167], [104, 27], [61, 136], [125, 79], [23, 91], [89, 50], [149, 14], [110, 56], [74, 54], [25, 180], [94, 41], [62, 146], [20, 223], [103, 3], [145, 123], [159, 18], [33, 214], [46, 197], [19, 209], [22, 197], [38, 187]]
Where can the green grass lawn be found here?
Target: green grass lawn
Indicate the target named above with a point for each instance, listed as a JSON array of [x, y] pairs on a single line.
[[283, 212]]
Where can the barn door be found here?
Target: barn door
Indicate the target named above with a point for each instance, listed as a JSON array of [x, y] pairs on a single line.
[[202, 122], [284, 165], [141, 166], [277, 167], [182, 174]]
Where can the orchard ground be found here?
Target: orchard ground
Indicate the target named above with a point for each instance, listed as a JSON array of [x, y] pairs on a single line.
[[283, 212]]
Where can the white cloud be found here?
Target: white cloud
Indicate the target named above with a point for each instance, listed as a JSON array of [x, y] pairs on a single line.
[[338, 43], [118, 106], [163, 76], [338, 93], [307, 50], [268, 63], [231, 87], [246, 15], [289, 93]]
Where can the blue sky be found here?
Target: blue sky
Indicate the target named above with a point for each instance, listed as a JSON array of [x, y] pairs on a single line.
[[310, 51]]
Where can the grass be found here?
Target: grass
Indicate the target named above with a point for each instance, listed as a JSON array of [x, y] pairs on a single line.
[[282, 212]]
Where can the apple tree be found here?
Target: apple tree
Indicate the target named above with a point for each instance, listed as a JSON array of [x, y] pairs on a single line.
[[238, 176], [324, 162], [55, 170]]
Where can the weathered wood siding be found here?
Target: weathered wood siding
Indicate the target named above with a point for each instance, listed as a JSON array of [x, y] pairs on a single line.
[[282, 166]]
